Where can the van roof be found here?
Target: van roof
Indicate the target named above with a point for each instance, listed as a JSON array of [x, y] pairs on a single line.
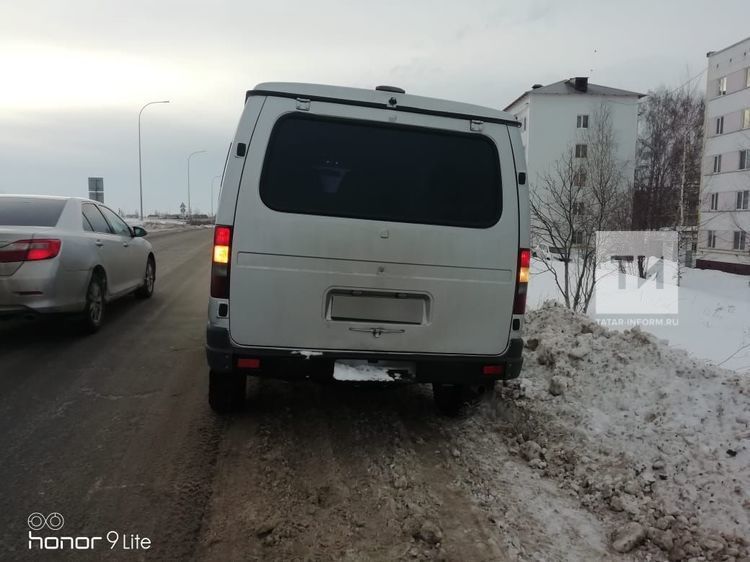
[[382, 99]]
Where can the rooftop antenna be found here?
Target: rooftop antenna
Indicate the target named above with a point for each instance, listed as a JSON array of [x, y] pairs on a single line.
[[593, 56]]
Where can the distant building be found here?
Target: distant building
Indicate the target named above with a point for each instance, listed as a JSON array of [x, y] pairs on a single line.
[[724, 236], [555, 119]]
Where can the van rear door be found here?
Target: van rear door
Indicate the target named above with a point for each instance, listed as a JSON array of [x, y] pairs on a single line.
[[365, 229]]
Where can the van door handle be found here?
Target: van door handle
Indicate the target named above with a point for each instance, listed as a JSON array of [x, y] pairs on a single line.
[[99, 243], [125, 244]]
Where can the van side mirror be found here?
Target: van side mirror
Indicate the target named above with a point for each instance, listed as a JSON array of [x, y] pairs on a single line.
[[139, 232]]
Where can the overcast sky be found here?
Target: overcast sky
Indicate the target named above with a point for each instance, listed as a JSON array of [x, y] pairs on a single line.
[[74, 73]]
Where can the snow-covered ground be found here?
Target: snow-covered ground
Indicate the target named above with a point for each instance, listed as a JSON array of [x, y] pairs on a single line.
[[155, 225], [714, 314], [654, 441], [648, 427]]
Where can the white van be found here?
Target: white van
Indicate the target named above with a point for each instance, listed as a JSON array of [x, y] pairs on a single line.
[[368, 235]]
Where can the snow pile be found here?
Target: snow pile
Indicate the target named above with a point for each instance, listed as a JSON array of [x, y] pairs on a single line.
[[155, 225], [713, 312], [657, 439]]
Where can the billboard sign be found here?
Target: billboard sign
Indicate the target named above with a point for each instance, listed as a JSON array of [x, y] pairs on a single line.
[[96, 189]]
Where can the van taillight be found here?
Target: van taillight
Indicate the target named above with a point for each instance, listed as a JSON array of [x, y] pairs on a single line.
[[522, 281], [220, 258]]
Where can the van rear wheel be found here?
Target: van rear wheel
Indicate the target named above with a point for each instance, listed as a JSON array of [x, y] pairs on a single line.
[[226, 391], [451, 399]]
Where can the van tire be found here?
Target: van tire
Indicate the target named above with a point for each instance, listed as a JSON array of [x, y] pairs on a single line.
[[483, 391], [226, 391], [449, 398]]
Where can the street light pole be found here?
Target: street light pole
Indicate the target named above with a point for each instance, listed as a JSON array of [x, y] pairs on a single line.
[[190, 209], [140, 169], [212, 193]]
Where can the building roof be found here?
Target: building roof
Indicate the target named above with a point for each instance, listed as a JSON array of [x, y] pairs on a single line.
[[380, 98], [568, 87], [710, 54]]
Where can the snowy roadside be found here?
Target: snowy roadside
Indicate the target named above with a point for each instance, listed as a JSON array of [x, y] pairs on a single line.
[[714, 308], [159, 226], [653, 441]]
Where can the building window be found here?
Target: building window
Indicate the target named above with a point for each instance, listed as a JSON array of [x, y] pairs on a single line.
[[581, 151], [717, 163], [744, 159], [714, 201], [578, 209], [711, 238], [746, 119], [720, 125], [723, 86], [740, 238], [579, 178], [582, 122], [578, 237], [743, 200]]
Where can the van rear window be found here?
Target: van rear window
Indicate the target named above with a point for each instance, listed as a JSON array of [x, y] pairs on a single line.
[[365, 170], [30, 211]]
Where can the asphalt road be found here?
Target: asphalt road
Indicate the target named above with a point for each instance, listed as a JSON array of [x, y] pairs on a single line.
[[113, 431]]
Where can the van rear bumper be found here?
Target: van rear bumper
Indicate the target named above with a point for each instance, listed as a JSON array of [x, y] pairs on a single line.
[[223, 356]]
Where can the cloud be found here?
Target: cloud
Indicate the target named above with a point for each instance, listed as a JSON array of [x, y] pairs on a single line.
[[74, 73]]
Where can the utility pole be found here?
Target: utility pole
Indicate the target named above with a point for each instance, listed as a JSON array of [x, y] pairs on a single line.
[[212, 193], [140, 167], [190, 209], [682, 179]]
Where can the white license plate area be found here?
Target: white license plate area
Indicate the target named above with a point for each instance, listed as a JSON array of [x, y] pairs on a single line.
[[359, 370]]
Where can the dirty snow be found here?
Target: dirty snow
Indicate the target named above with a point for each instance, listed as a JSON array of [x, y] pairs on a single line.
[[155, 225], [640, 432], [362, 371], [714, 314]]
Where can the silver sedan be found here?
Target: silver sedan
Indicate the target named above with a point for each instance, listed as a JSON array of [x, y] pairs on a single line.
[[69, 255]]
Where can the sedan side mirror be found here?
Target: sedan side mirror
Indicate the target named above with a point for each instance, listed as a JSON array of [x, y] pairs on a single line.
[[139, 231]]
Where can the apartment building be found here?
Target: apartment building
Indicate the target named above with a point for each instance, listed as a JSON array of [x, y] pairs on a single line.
[[555, 120], [724, 224]]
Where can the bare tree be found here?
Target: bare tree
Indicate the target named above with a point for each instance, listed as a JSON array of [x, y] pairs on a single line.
[[583, 192], [668, 167]]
